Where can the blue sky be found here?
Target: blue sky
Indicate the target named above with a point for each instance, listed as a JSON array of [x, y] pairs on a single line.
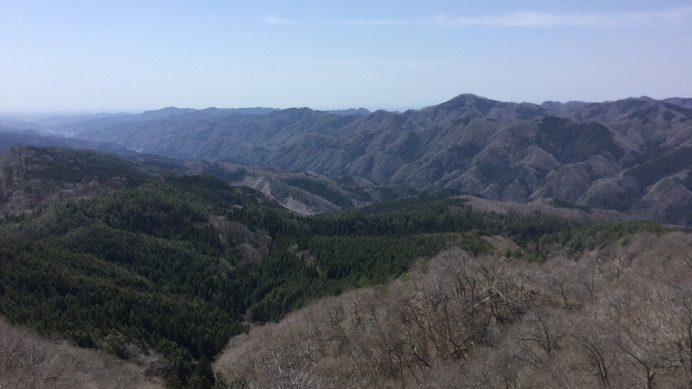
[[135, 55]]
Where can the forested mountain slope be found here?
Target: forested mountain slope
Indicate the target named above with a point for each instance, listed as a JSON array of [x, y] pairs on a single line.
[[28, 360], [119, 256], [306, 193], [31, 175], [630, 155], [614, 316], [161, 268]]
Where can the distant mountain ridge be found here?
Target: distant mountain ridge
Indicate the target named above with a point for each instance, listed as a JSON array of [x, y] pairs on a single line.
[[71, 124], [31, 177], [630, 155]]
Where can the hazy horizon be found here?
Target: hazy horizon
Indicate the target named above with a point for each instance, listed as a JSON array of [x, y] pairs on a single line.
[[97, 56], [38, 114]]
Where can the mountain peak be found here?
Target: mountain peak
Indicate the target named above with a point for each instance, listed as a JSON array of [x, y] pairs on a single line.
[[166, 112], [468, 99]]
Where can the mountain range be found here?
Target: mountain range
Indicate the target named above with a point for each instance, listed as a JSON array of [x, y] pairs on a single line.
[[633, 155], [171, 265]]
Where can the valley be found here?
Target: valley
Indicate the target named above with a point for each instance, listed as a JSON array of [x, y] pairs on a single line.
[[480, 242]]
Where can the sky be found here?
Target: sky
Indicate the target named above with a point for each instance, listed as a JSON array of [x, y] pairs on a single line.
[[108, 56]]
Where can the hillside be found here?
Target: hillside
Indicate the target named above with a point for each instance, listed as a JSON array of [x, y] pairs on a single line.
[[306, 193], [162, 268], [14, 136], [114, 255], [30, 176], [631, 155], [28, 360], [614, 317]]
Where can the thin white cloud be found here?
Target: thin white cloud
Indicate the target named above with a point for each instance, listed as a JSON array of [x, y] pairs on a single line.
[[666, 17], [275, 20], [672, 15], [538, 19], [524, 19]]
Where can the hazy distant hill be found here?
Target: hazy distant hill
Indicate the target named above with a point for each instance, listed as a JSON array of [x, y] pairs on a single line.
[[11, 138], [72, 124], [631, 155]]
